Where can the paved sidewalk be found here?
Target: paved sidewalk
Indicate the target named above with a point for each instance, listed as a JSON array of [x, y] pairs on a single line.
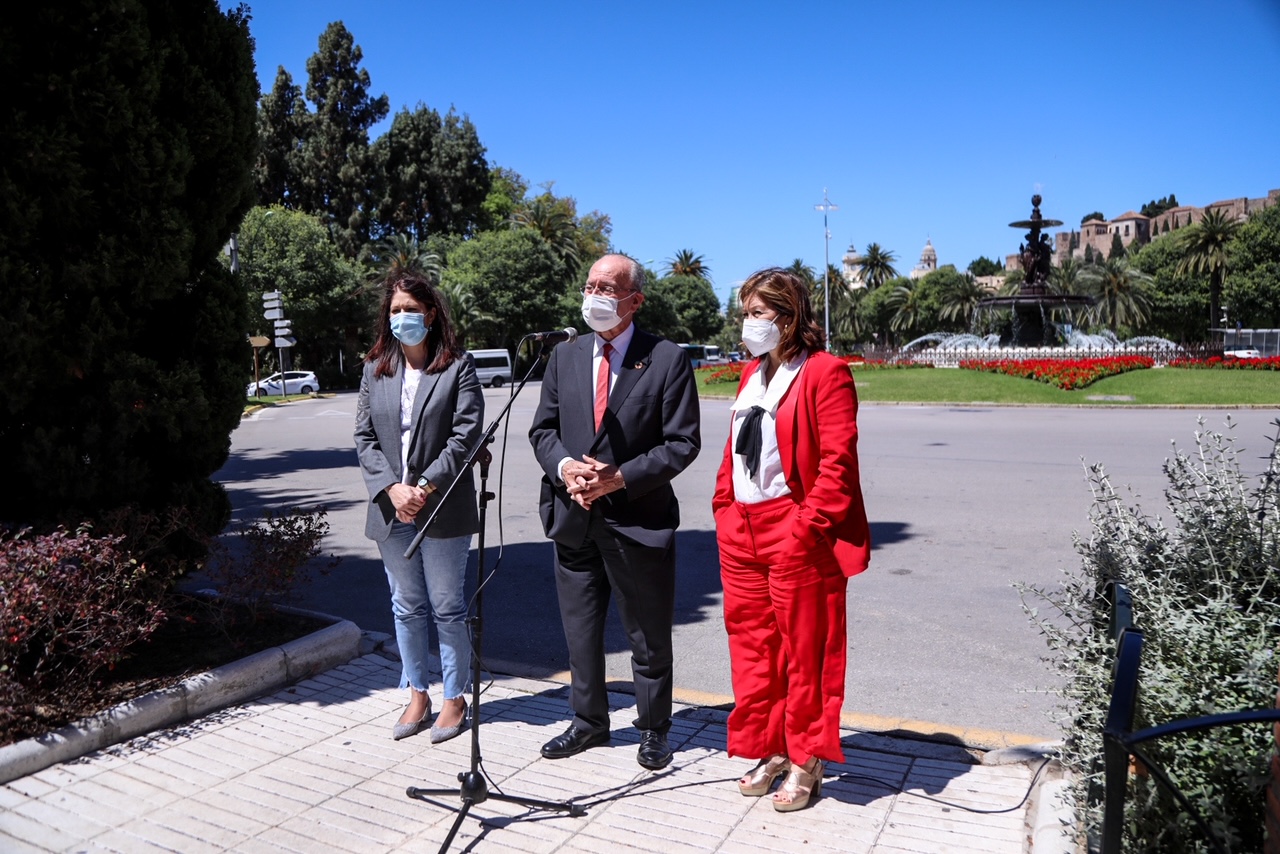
[[313, 768]]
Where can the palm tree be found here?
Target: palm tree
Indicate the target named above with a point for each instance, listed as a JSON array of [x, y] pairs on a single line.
[[686, 263], [1204, 248], [402, 254], [804, 271], [846, 321], [1120, 291], [556, 226], [463, 311], [905, 302], [960, 300], [877, 266], [1065, 279]]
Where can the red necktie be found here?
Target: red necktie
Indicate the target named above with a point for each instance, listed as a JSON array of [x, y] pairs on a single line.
[[602, 385]]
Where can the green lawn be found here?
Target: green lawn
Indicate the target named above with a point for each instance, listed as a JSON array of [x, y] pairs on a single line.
[[1155, 387]]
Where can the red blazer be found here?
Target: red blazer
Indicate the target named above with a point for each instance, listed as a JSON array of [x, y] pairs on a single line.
[[818, 440]]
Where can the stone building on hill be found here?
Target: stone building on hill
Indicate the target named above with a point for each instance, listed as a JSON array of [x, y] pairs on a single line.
[[1131, 226]]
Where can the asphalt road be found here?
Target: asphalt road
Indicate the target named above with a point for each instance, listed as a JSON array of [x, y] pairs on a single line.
[[964, 502]]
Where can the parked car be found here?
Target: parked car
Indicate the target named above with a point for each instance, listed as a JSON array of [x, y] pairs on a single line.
[[734, 356], [295, 382], [1244, 354]]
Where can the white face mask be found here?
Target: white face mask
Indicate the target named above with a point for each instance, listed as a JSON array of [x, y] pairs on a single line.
[[760, 336], [600, 313]]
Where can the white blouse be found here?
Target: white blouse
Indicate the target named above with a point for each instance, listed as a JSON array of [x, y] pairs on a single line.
[[408, 391], [770, 480]]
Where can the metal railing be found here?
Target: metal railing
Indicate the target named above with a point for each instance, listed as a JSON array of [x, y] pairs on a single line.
[[1119, 741], [943, 357]]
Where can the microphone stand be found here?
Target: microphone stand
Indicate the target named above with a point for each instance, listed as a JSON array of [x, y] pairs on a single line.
[[474, 789]]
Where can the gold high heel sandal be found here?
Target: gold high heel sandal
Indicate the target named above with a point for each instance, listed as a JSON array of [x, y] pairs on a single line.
[[801, 786], [760, 780]]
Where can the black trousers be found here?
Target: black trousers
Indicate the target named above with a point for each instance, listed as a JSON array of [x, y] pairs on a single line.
[[643, 580]]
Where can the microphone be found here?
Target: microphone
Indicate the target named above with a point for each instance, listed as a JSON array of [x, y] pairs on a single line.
[[568, 334]]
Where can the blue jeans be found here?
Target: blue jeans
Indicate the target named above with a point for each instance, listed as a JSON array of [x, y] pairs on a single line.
[[429, 584]]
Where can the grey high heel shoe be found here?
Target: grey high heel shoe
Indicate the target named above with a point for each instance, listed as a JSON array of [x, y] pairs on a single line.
[[444, 733], [400, 730]]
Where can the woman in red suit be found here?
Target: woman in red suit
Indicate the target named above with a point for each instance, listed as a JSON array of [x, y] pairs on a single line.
[[791, 529]]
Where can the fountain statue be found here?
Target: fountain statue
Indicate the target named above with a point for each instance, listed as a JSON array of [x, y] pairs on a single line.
[[1035, 301]]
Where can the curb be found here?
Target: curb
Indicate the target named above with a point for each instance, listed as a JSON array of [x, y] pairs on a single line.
[[1050, 814], [198, 695]]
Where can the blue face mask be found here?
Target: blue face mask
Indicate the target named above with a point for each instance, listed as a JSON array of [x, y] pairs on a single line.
[[410, 328]]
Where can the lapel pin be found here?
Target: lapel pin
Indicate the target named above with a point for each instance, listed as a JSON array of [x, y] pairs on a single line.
[[639, 366]]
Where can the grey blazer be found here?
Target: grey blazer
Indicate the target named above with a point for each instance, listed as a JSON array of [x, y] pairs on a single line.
[[447, 416], [651, 431]]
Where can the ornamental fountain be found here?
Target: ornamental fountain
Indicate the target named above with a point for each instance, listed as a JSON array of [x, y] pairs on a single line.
[[1034, 303], [1033, 333]]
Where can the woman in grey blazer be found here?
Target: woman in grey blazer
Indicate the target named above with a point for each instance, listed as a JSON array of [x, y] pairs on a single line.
[[418, 417]]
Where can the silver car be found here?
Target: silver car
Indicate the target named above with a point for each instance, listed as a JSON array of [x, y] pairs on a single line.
[[291, 382]]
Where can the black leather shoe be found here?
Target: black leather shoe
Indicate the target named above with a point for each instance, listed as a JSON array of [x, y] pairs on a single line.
[[654, 753], [573, 741]]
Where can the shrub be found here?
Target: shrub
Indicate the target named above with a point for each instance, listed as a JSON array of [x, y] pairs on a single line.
[[70, 605], [1205, 596], [272, 557]]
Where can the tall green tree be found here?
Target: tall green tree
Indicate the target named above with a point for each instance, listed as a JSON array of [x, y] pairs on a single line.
[[1179, 301], [696, 304], [877, 266], [325, 298], [515, 277], [1117, 247], [127, 141], [283, 121], [686, 262], [433, 174], [1204, 248], [1121, 294], [337, 175], [984, 266], [1252, 289]]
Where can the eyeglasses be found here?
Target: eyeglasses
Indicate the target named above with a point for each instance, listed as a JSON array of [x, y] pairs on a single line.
[[605, 291]]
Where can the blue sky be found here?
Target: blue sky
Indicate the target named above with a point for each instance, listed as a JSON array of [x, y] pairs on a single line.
[[716, 126]]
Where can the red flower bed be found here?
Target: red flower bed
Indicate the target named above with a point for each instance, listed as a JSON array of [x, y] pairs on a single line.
[[731, 372], [1068, 374], [1271, 363]]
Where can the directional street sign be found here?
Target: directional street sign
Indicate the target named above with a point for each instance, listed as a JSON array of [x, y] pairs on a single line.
[[272, 295], [285, 342], [284, 328], [274, 314]]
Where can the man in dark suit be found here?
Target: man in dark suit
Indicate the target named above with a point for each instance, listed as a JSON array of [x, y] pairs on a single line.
[[618, 419]]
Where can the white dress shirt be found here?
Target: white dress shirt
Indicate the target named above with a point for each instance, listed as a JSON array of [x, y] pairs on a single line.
[[770, 480]]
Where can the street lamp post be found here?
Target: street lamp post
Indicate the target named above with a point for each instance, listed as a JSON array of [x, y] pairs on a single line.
[[826, 207]]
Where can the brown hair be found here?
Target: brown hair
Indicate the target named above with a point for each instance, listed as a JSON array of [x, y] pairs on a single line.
[[788, 295], [442, 343]]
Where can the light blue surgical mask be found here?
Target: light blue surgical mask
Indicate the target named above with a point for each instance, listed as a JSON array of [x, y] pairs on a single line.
[[410, 328]]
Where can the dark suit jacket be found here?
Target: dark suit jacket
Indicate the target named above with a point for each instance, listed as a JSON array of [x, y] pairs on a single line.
[[447, 412], [650, 431], [817, 426]]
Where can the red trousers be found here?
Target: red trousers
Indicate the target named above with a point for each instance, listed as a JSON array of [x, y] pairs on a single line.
[[784, 611]]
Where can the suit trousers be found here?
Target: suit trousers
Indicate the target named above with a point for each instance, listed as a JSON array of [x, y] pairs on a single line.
[[784, 611], [642, 579]]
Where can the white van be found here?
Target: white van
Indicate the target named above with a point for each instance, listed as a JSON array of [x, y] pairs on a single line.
[[493, 367]]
